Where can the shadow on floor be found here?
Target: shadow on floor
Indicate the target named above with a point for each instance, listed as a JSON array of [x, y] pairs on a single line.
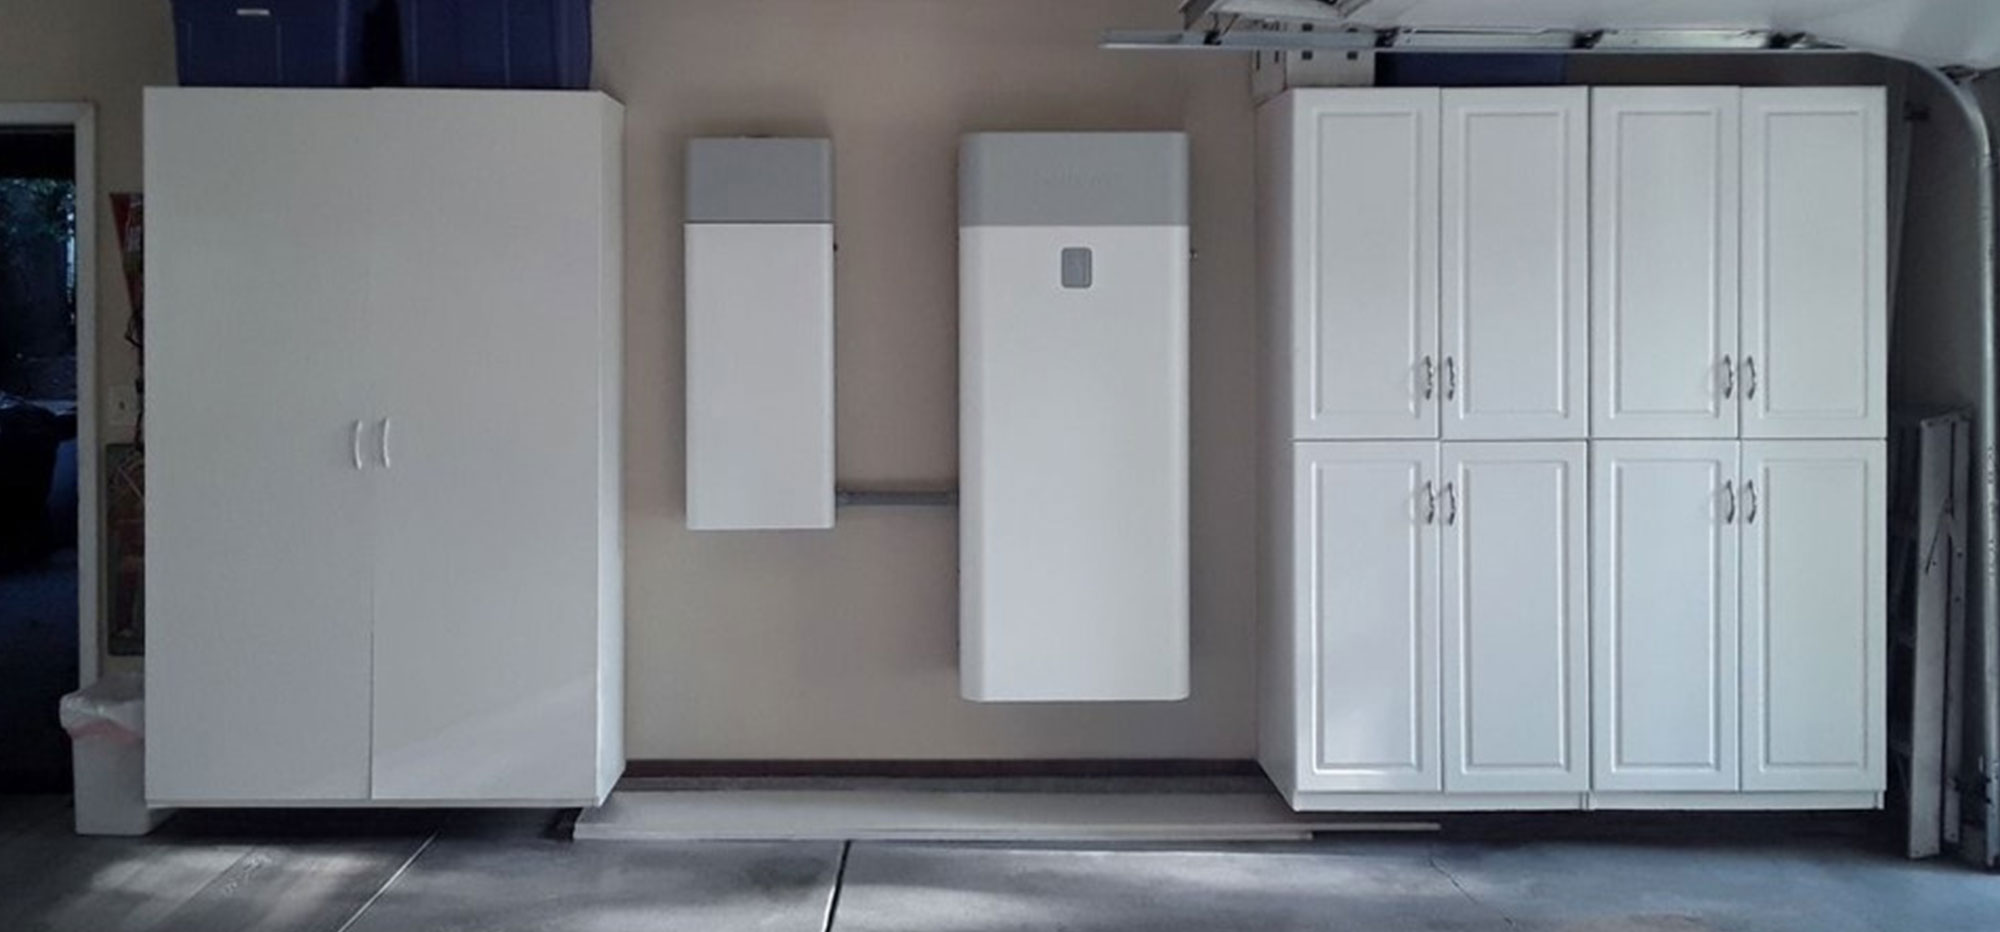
[[331, 871]]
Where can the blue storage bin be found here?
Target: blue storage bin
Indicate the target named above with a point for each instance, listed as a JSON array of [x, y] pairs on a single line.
[[496, 43], [270, 43], [1471, 69]]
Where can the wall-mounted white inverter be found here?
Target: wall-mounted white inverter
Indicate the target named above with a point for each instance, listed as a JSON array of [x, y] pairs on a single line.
[[1073, 254], [759, 334]]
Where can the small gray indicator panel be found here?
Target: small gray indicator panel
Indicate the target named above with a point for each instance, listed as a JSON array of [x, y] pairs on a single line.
[[1078, 267]]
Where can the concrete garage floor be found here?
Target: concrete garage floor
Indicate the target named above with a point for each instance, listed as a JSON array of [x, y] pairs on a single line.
[[432, 872]]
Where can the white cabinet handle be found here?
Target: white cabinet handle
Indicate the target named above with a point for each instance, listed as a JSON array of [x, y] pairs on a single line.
[[1430, 378], [1451, 504], [1750, 502], [1729, 507], [358, 428], [1451, 378], [387, 423], [1728, 377], [1750, 378], [1430, 502]]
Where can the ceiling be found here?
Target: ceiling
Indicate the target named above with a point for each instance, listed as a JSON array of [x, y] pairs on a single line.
[[1937, 32]]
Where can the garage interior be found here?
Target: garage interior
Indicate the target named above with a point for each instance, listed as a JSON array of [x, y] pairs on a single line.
[[928, 464]]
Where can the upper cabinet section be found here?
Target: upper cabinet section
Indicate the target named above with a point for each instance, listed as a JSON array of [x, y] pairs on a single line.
[[1560, 263], [1515, 263], [1664, 198], [1815, 290], [1362, 289], [1428, 260], [1739, 266]]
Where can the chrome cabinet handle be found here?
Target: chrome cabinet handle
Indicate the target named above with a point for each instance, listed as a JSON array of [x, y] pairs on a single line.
[[1750, 502], [1728, 376], [1729, 509], [1451, 504], [387, 423], [1451, 378], [358, 428], [1430, 378], [1750, 378], [1430, 502]]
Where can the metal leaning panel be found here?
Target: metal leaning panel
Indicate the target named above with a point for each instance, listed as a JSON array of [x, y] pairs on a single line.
[[1927, 567], [1956, 640]]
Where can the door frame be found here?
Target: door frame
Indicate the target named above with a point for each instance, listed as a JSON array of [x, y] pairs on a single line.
[[81, 119]]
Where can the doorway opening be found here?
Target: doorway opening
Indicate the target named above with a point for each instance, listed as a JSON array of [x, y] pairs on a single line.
[[47, 456]]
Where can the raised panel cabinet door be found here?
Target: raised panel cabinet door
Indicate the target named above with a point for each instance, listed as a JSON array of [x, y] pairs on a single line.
[[489, 302], [1364, 333], [1515, 264], [1815, 263], [1516, 597], [258, 507], [1664, 520], [1367, 548], [1664, 291], [1815, 615]]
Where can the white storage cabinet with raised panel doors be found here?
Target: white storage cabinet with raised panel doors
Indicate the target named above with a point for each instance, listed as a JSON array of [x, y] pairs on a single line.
[[1575, 430], [383, 545]]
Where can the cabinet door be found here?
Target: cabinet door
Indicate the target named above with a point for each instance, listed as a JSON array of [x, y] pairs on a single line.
[[258, 512], [1814, 615], [488, 301], [1365, 332], [1367, 548], [1815, 266], [1515, 263], [1516, 593], [1663, 615], [1664, 262]]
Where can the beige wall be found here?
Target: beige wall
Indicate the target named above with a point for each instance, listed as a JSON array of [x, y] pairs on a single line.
[[840, 644], [843, 644]]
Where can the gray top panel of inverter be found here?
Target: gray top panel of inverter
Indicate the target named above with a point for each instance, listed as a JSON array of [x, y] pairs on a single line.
[[760, 181], [1074, 179]]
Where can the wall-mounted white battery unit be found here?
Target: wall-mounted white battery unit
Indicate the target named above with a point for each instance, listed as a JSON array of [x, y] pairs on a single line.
[[1073, 270], [759, 334]]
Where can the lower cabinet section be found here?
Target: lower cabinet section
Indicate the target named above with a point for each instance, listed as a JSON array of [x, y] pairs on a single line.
[[1570, 625]]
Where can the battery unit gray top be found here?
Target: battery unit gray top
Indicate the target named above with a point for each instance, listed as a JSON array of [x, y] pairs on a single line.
[[1073, 179], [760, 181]]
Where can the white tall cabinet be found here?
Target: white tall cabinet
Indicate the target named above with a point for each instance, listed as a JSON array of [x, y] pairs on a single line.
[[1575, 433], [383, 525]]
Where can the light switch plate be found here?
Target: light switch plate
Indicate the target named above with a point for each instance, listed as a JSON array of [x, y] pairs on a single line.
[[122, 407]]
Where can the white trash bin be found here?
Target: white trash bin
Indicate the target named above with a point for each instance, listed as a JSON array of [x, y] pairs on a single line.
[[106, 722]]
